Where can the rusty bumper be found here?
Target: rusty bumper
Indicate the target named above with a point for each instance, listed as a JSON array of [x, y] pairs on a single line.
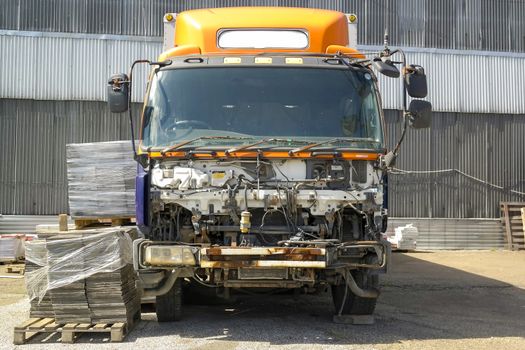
[[264, 257], [169, 255]]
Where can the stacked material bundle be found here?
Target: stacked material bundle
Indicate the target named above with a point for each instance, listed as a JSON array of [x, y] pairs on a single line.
[[38, 252], [112, 296], [11, 248], [87, 275], [101, 180], [70, 303], [44, 308], [405, 237]]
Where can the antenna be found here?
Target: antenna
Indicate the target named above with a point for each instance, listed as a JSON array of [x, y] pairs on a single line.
[[385, 41], [386, 50]]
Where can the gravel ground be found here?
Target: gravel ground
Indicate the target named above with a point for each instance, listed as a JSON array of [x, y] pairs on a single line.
[[440, 300], [11, 289]]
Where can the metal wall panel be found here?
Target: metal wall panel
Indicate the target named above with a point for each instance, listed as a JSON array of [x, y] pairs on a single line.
[[468, 234], [77, 68], [456, 24], [64, 68], [8, 127], [25, 224], [490, 148], [464, 81], [34, 134], [33, 178]]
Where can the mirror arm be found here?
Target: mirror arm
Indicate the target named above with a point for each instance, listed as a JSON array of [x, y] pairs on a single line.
[[403, 132], [402, 77], [390, 157], [135, 156]]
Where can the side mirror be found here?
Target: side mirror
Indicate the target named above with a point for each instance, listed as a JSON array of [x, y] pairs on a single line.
[[118, 93], [420, 114], [385, 67], [416, 81]]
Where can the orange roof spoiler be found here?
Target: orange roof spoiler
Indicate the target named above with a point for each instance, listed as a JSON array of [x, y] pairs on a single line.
[[202, 28]]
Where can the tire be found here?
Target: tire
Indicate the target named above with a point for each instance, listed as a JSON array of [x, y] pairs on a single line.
[[355, 305], [169, 305]]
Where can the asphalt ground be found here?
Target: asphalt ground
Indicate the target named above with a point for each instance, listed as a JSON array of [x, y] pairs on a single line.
[[429, 300]]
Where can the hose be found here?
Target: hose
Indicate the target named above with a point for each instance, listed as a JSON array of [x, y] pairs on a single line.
[[165, 288]]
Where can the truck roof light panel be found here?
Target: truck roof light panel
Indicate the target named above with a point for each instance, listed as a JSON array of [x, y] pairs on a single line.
[[263, 60], [232, 60], [263, 39], [293, 60]]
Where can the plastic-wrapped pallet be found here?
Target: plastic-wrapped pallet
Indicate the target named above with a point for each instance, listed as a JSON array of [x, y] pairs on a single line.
[[11, 249], [101, 180], [405, 237], [87, 274], [112, 296], [69, 301], [43, 307]]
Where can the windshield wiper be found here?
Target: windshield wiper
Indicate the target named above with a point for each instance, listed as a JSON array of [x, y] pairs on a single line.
[[317, 144], [184, 143], [242, 148]]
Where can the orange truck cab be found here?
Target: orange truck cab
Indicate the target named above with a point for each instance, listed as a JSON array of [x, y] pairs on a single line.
[[262, 161]]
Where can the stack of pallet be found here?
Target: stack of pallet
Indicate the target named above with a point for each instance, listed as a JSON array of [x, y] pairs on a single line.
[[39, 308], [513, 220], [70, 304], [11, 249], [89, 277], [38, 254], [112, 296], [69, 301], [405, 237]]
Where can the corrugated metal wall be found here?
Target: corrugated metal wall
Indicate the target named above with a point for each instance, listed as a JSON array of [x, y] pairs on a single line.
[[78, 69], [43, 65], [469, 234], [64, 68], [25, 224], [457, 24], [34, 134], [488, 147], [465, 81]]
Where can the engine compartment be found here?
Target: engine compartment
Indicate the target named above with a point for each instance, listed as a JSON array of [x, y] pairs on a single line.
[[257, 202]]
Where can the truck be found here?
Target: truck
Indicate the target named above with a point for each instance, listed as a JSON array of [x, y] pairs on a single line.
[[261, 159]]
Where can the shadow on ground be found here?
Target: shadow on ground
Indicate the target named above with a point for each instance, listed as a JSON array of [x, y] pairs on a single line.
[[420, 300]]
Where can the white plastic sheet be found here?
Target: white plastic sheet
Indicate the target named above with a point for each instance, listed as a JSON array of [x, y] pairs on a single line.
[[11, 248], [63, 261], [101, 179], [405, 237]]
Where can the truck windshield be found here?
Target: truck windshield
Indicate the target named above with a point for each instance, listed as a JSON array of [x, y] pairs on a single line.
[[255, 103]]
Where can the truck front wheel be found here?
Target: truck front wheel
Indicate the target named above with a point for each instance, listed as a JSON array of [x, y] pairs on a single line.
[[354, 305], [169, 305]]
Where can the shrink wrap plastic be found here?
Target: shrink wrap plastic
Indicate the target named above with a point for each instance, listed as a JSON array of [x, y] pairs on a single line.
[[101, 180], [62, 261], [11, 248]]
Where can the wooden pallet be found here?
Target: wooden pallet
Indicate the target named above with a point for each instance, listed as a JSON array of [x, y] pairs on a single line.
[[93, 222], [71, 331], [10, 261], [16, 269], [512, 219]]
